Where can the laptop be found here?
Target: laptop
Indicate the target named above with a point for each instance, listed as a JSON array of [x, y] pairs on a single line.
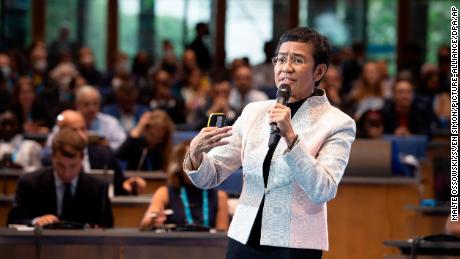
[[369, 158]]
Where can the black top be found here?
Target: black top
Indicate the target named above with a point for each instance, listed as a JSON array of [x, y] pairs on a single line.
[[132, 151], [254, 237], [195, 199]]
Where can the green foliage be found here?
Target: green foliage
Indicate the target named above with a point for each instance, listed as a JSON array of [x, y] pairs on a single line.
[[96, 31], [382, 30], [438, 28]]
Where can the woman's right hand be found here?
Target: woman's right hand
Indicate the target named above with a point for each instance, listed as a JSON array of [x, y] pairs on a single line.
[[207, 139], [138, 130], [156, 219]]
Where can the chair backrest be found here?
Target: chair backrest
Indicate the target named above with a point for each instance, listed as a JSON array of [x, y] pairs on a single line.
[[369, 158]]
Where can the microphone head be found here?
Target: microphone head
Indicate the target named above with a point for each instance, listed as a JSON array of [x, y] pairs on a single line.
[[284, 91]]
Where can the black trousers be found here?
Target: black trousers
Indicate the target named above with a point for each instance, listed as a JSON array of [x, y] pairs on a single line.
[[237, 250]]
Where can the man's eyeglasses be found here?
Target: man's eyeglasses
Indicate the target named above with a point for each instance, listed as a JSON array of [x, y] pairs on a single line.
[[295, 60]]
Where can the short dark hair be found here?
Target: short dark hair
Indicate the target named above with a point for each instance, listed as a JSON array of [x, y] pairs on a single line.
[[321, 47], [68, 143]]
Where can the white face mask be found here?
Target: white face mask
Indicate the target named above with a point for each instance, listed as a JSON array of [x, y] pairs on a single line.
[[5, 70], [87, 60], [64, 81], [40, 65]]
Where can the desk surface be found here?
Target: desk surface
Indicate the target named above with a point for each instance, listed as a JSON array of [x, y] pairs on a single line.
[[126, 236], [111, 243], [426, 247], [431, 211]]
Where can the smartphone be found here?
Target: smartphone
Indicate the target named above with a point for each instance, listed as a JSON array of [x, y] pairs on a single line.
[[217, 120]]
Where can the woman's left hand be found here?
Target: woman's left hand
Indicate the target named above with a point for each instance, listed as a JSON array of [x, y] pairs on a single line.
[[281, 115]]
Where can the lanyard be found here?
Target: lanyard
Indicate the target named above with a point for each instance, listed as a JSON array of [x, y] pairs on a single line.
[[188, 212], [148, 162]]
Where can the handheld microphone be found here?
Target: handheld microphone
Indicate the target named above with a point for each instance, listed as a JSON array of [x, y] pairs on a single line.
[[282, 96]]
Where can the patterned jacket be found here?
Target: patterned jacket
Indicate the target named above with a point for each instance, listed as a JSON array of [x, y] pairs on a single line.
[[301, 180]]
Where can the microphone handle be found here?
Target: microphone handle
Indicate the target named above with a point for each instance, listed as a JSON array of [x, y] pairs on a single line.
[[274, 130]]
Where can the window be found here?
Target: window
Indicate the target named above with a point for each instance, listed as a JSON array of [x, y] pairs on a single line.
[[249, 25], [382, 32], [176, 20], [303, 13], [128, 25], [15, 27], [96, 31], [438, 32], [59, 14]]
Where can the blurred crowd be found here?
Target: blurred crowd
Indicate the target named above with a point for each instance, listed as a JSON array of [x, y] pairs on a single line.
[[131, 110]]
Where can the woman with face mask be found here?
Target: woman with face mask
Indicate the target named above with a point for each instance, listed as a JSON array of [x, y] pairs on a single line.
[[32, 115]]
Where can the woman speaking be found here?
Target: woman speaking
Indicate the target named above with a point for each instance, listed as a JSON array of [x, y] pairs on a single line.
[[281, 212]]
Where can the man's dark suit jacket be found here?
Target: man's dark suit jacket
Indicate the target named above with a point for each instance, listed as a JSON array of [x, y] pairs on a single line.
[[103, 158], [36, 196], [99, 157]]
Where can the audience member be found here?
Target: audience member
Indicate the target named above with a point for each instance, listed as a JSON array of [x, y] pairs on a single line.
[[442, 111], [199, 46], [194, 93], [5, 89], [96, 156], [444, 72], [188, 203], [188, 65], [387, 81], [169, 61], [14, 149], [63, 78], [332, 84], [32, 116], [263, 72], [140, 69], [38, 65], [62, 48], [352, 65], [6, 72], [88, 101], [370, 126], [126, 110], [243, 93], [149, 145], [63, 192], [163, 98], [87, 67], [367, 92], [217, 102], [402, 114]]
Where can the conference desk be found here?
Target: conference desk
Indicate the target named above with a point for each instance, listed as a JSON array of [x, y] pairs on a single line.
[[110, 243], [421, 247], [369, 210], [127, 210], [365, 212]]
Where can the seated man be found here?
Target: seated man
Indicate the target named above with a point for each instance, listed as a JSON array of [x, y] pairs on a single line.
[[63, 192], [95, 156], [88, 101], [15, 151]]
